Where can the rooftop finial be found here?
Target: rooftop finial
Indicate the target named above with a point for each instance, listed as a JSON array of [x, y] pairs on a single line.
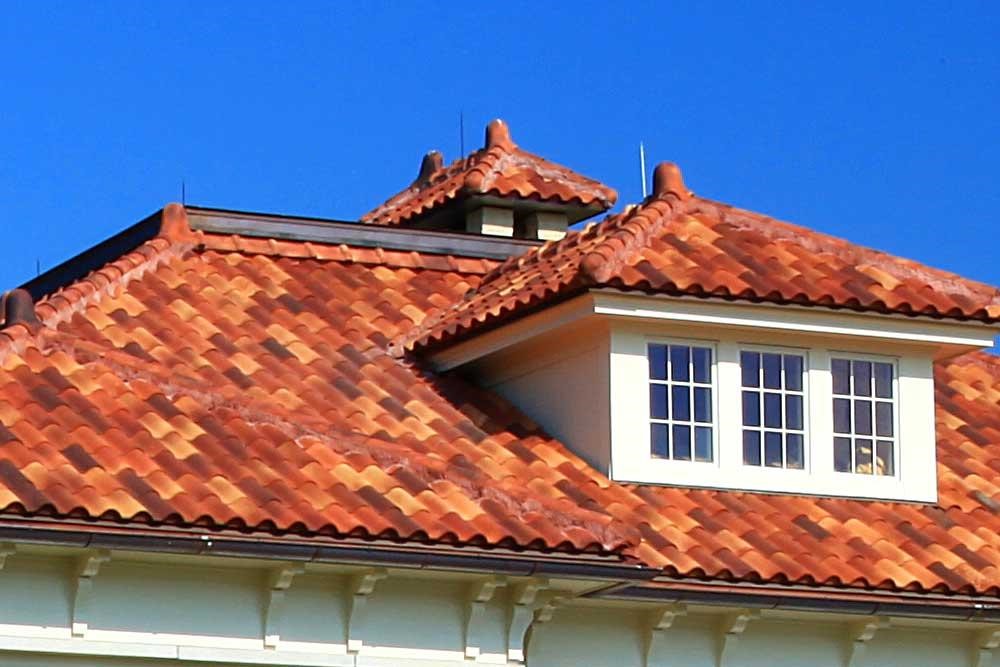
[[431, 163], [498, 134], [19, 308], [667, 178]]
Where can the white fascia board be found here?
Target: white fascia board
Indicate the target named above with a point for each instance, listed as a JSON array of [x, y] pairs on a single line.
[[520, 330], [798, 319]]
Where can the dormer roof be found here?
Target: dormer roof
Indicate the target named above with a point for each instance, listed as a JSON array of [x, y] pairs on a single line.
[[500, 169], [677, 243]]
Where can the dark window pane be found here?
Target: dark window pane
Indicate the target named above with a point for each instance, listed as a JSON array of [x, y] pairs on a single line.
[[863, 456], [658, 401], [793, 372], [750, 365], [794, 449], [772, 450], [680, 358], [841, 415], [793, 411], [702, 404], [883, 380], [862, 378], [659, 446], [702, 360], [842, 454], [772, 370], [863, 417], [883, 419], [772, 410], [681, 403], [751, 448], [841, 369], [657, 362], [884, 458], [702, 443], [682, 442], [751, 408]]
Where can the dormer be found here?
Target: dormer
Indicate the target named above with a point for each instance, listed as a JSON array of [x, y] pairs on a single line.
[[686, 342], [498, 190]]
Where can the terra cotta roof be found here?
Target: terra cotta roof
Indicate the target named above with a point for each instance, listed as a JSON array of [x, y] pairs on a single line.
[[500, 168], [678, 244], [217, 381]]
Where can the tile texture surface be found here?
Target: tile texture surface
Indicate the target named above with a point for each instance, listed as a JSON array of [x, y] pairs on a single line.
[[224, 382], [500, 168]]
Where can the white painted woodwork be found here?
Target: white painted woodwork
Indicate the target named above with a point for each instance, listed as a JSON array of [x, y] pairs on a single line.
[[480, 593], [162, 610], [657, 641], [580, 371], [88, 565], [490, 221], [279, 579], [362, 586], [521, 614]]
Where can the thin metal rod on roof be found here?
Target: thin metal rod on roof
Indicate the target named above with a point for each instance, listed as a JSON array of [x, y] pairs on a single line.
[[642, 167], [461, 134], [183, 192]]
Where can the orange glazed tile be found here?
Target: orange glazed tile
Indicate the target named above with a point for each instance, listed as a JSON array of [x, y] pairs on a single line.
[[255, 388]]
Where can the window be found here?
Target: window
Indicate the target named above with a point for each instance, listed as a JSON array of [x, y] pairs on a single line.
[[680, 402], [864, 428], [773, 405]]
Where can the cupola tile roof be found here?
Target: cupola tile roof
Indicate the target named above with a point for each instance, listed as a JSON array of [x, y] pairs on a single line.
[[677, 243], [499, 169]]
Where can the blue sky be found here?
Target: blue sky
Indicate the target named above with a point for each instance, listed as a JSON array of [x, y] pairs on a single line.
[[879, 122]]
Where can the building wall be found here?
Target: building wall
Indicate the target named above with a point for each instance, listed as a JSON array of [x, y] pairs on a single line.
[[562, 383], [197, 611]]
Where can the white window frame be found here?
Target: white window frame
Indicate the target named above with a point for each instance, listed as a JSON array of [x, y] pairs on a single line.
[[873, 358], [773, 349], [669, 382], [656, 462], [631, 461]]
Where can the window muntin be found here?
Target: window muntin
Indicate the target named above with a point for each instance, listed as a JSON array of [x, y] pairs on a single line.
[[680, 402], [864, 412], [773, 408]]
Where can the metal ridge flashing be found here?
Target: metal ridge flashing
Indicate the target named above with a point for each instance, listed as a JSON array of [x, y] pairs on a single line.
[[317, 230]]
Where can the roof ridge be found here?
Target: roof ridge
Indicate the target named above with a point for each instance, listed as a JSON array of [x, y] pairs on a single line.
[[173, 238], [639, 227]]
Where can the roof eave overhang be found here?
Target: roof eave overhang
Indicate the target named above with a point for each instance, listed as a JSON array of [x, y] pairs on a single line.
[[618, 580], [948, 337]]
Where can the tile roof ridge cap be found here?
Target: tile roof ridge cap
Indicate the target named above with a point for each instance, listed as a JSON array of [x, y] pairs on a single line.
[[860, 255], [634, 231], [58, 307]]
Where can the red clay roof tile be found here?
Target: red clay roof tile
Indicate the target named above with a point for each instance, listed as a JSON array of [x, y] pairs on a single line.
[[195, 383], [679, 244], [499, 168]]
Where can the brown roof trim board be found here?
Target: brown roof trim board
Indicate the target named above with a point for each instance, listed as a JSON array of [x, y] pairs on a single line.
[[678, 244], [317, 230]]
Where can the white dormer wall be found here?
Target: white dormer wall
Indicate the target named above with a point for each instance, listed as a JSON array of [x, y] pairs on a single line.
[[580, 370]]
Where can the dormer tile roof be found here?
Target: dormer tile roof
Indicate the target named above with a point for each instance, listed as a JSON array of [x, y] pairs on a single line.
[[502, 169], [676, 243]]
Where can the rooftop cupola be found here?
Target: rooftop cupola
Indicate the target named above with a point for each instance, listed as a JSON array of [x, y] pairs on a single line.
[[497, 190]]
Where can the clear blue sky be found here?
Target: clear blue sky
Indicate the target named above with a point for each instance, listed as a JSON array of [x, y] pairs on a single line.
[[879, 122]]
